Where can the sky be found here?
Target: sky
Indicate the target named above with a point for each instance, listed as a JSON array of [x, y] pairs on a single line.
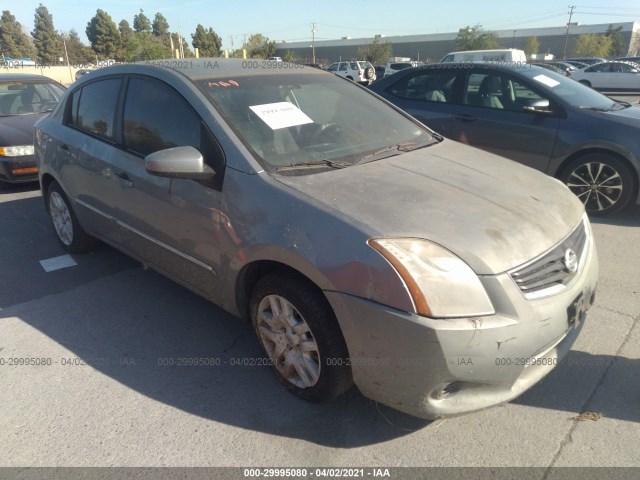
[[291, 20]]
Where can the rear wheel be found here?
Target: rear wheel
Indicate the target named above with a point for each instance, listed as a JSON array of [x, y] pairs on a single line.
[[603, 182], [586, 82], [72, 236], [299, 332]]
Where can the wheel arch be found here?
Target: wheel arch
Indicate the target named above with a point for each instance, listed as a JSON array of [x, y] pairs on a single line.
[[46, 180], [252, 272]]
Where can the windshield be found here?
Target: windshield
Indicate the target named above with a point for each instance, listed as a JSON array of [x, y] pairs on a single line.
[[28, 98], [303, 120], [569, 90]]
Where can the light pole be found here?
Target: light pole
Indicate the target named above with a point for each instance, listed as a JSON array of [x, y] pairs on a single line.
[[566, 35], [313, 42]]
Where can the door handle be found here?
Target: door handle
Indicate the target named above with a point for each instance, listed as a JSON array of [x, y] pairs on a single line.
[[123, 179], [465, 117], [64, 148]]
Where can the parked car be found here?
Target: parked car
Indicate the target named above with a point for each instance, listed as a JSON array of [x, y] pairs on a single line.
[[578, 65], [553, 68], [380, 70], [374, 253], [356, 70], [24, 99], [566, 67], [611, 76], [628, 59], [496, 55], [18, 62], [587, 60], [533, 116], [393, 67]]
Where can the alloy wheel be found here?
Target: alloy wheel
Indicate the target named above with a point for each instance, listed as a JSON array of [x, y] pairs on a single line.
[[289, 342]]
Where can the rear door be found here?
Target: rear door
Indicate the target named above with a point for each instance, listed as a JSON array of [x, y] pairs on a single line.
[[87, 151], [492, 117]]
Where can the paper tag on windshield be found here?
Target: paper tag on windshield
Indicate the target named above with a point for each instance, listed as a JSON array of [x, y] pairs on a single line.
[[549, 82], [281, 115]]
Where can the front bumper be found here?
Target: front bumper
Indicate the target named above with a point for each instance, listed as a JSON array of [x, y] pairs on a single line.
[[18, 169], [432, 368]]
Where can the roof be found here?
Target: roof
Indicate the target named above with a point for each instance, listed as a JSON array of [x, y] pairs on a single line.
[[15, 77], [202, 68]]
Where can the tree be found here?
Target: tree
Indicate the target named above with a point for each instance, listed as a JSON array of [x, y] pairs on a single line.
[[259, 46], [531, 46], [475, 38], [14, 42], [617, 41], [290, 56], [206, 41], [160, 26], [592, 45], [103, 35], [376, 52], [47, 41], [141, 22], [77, 52]]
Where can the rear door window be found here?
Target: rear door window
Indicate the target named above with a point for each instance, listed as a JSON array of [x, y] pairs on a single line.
[[94, 107]]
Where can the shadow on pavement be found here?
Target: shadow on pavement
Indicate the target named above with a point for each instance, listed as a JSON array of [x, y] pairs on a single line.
[[569, 384]]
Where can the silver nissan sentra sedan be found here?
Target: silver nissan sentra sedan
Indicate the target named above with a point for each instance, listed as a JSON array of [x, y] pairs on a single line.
[[365, 248]]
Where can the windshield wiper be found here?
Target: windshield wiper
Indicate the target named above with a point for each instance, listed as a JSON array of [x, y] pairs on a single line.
[[315, 163], [612, 107], [391, 151]]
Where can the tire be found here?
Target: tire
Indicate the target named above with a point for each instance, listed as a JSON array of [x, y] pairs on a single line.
[[586, 83], [603, 182], [349, 77], [368, 73], [305, 346], [65, 223]]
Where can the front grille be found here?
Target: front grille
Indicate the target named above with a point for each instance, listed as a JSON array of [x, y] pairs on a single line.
[[550, 271]]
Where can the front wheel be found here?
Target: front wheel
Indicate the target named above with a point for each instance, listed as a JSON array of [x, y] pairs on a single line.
[[72, 236], [299, 332], [586, 83], [603, 182]]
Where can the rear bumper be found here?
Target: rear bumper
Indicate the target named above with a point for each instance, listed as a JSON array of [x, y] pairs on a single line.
[[432, 368]]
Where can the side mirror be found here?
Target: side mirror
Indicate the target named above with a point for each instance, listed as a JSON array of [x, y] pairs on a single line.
[[538, 106], [178, 162]]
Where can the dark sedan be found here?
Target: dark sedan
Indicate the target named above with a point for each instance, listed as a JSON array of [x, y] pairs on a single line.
[[533, 116], [24, 99]]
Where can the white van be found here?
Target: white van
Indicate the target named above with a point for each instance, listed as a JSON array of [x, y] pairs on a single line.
[[499, 55]]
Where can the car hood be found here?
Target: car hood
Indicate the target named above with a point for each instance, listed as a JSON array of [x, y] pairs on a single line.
[[628, 116], [493, 213], [18, 129]]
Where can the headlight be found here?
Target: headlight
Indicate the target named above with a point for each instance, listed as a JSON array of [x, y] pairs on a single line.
[[17, 151], [439, 282]]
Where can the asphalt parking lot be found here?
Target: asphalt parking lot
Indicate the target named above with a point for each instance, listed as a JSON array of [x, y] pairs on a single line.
[[109, 397]]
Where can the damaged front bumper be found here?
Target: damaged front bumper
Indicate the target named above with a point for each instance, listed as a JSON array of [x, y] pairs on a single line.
[[432, 368]]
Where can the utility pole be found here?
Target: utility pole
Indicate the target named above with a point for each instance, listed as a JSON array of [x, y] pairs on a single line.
[[313, 42], [566, 35]]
